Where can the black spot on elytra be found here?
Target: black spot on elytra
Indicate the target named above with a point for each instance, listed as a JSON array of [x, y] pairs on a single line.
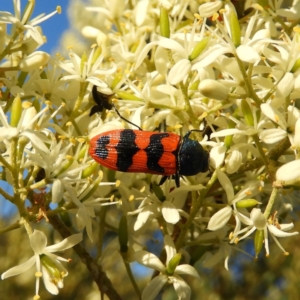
[[101, 150], [126, 149], [154, 152]]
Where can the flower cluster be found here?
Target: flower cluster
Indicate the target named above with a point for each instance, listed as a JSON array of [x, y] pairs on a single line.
[[231, 71]]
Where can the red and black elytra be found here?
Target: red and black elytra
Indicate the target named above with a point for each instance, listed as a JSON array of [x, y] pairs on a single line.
[[163, 153]]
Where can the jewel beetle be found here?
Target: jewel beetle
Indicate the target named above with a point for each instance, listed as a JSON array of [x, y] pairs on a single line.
[[163, 153]]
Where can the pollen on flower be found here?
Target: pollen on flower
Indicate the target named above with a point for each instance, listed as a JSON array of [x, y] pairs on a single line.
[[131, 198], [112, 197], [69, 123], [296, 29], [276, 118], [118, 182], [248, 193], [258, 7], [72, 141], [215, 16], [142, 190], [58, 9], [26, 104], [48, 103], [36, 297], [38, 274], [81, 140]]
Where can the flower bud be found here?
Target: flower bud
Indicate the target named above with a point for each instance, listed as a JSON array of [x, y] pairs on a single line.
[[258, 241], [34, 61], [247, 113], [90, 32], [89, 170], [228, 138], [158, 191], [198, 49], [16, 111], [127, 96], [213, 89], [123, 234], [118, 77], [206, 10], [164, 23], [173, 263], [233, 23], [235, 29], [246, 203]]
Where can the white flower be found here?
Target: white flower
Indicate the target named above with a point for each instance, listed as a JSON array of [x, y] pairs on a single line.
[[88, 70], [221, 218], [169, 273], [48, 265], [20, 20], [257, 221]]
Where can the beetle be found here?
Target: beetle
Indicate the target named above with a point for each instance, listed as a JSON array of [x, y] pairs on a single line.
[[163, 153]]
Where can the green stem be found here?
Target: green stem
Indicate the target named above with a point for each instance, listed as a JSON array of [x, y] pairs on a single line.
[[260, 149], [131, 277], [248, 82]]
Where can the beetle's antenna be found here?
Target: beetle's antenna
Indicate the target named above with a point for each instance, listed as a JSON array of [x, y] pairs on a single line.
[[125, 118]]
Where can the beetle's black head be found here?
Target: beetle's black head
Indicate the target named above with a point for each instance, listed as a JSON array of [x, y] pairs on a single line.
[[192, 158]]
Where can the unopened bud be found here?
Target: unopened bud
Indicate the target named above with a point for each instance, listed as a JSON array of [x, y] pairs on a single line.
[[164, 23], [173, 263], [206, 10], [198, 49], [247, 113], [246, 203], [16, 111], [34, 61], [258, 241], [213, 89]]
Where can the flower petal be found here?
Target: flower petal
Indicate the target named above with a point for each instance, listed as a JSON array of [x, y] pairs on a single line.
[[155, 285], [38, 241], [170, 212], [67, 243], [179, 71], [226, 184], [220, 218], [182, 288], [258, 219], [149, 260], [188, 270], [170, 248], [289, 171], [19, 269], [279, 233]]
